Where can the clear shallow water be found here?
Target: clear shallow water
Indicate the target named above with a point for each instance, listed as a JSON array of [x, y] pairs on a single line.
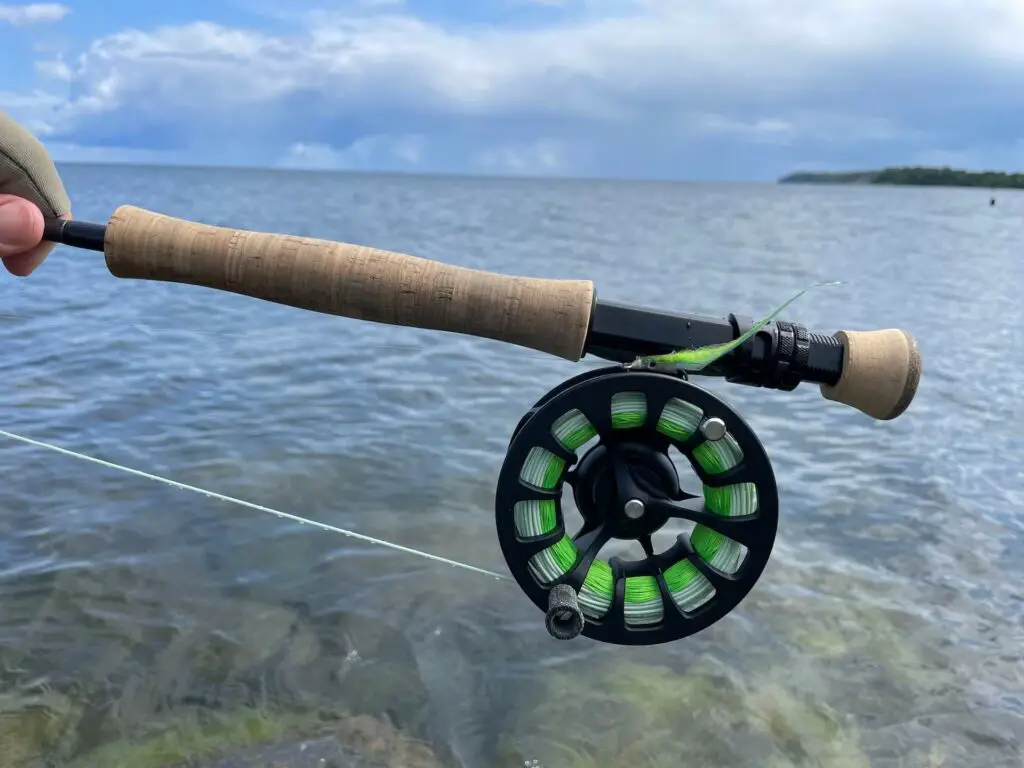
[[887, 628]]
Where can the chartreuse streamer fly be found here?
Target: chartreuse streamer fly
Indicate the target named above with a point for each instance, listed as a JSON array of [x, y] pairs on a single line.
[[694, 360]]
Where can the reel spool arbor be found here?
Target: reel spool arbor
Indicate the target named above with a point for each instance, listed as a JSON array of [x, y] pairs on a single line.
[[626, 487]]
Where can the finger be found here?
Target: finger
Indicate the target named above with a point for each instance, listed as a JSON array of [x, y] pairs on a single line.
[[24, 264], [21, 226]]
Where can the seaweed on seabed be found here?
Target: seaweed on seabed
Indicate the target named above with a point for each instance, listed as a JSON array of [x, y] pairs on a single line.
[[33, 725], [248, 738], [253, 679], [644, 716]]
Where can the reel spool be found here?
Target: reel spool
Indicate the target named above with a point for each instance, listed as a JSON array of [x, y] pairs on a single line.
[[626, 487]]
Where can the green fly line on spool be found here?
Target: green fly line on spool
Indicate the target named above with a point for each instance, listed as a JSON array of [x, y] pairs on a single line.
[[643, 601]]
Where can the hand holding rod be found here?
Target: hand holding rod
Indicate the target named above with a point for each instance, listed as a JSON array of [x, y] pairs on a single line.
[[876, 372]]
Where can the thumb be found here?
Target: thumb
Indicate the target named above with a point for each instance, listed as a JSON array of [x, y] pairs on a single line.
[[21, 226]]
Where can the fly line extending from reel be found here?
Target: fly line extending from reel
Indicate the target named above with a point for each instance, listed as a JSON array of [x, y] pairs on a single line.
[[626, 487]]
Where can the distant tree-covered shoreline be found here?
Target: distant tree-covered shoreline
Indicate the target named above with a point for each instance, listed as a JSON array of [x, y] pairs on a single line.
[[916, 176]]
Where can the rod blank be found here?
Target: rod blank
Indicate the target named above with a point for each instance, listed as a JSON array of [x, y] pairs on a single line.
[[77, 234]]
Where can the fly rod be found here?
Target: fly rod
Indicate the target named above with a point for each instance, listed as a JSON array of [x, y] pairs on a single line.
[[603, 436]]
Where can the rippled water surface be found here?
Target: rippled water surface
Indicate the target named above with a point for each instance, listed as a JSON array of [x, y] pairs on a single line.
[[887, 629]]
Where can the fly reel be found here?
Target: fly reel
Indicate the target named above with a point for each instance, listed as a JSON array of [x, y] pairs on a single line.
[[606, 434]]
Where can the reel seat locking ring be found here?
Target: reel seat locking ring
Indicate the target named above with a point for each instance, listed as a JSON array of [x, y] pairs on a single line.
[[626, 487]]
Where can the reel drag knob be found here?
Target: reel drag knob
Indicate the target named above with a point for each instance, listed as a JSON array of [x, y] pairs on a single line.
[[564, 619]]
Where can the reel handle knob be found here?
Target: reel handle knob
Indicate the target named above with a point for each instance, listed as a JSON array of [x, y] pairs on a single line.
[[881, 372], [564, 619]]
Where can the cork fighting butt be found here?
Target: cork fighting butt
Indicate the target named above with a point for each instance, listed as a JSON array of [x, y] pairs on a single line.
[[880, 374], [354, 281]]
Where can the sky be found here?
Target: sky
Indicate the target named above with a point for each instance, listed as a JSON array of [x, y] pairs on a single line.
[[662, 89]]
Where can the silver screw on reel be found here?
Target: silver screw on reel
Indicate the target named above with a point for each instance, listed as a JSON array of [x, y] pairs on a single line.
[[634, 509], [713, 429]]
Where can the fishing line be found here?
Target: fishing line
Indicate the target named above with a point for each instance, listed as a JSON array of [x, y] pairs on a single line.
[[250, 505], [679, 413], [626, 487], [688, 587]]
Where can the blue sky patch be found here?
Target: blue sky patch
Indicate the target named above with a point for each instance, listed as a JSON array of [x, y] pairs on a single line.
[[737, 89]]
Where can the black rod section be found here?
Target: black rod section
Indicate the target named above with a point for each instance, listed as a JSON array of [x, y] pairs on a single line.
[[77, 234], [779, 356]]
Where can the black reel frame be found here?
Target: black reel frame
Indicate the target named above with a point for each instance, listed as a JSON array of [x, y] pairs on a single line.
[[632, 464]]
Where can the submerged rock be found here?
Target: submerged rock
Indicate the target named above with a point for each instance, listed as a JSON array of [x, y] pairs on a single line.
[[241, 681], [358, 742], [324, 752], [248, 739]]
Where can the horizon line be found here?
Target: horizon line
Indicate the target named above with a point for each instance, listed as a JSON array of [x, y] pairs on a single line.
[[492, 176]]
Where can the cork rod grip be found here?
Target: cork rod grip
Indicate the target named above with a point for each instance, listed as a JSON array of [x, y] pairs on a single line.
[[353, 281], [881, 372]]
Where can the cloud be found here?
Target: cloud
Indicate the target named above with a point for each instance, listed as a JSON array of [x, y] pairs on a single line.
[[35, 109], [378, 152], [540, 158], [34, 13], [630, 87]]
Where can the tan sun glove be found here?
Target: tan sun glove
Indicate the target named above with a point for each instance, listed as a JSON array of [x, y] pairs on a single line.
[[27, 171]]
